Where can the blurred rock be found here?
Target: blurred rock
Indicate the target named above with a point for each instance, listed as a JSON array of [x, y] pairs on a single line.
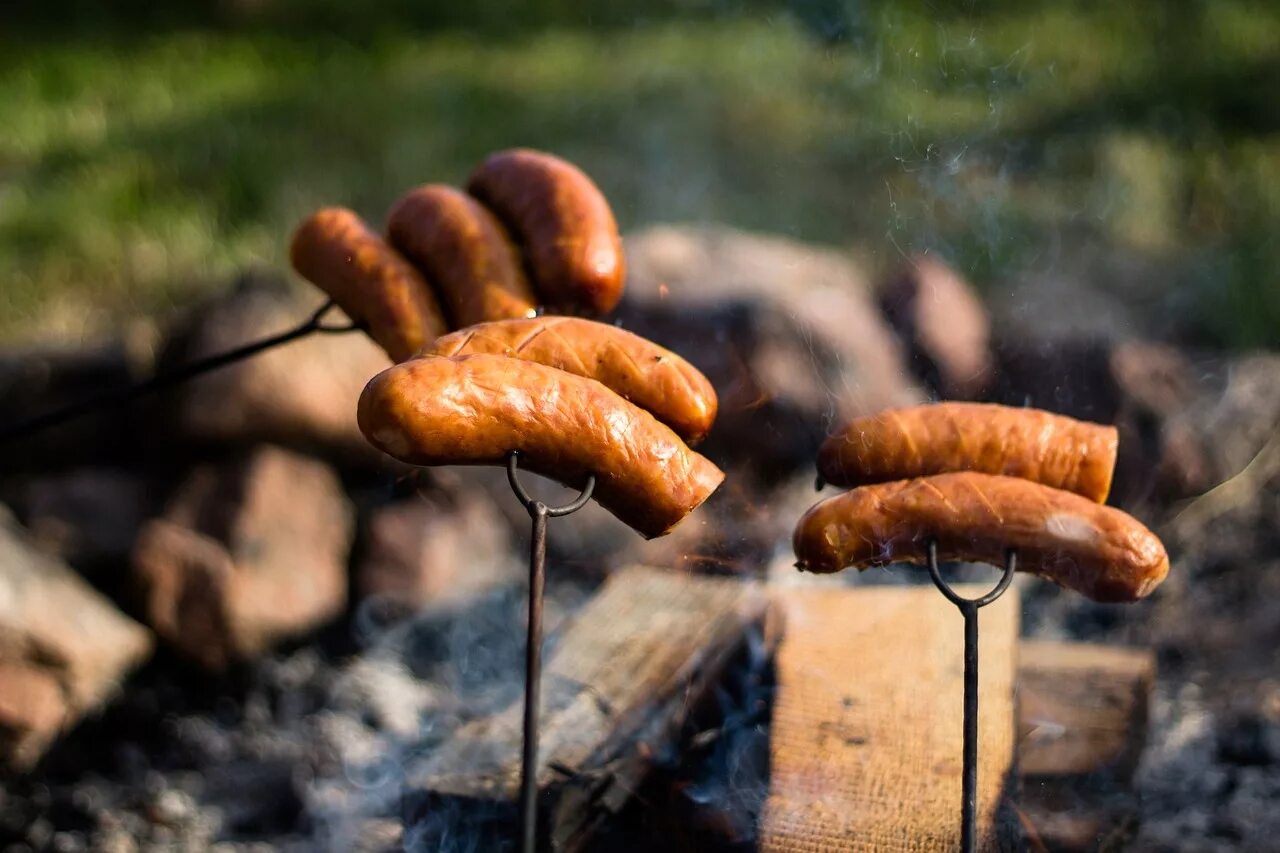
[[89, 517], [37, 381], [64, 648], [787, 333], [246, 554], [1237, 411], [1143, 388], [301, 395], [435, 549], [937, 313]]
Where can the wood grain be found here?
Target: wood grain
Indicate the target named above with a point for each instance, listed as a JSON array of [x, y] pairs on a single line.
[[1082, 722], [616, 689], [866, 736], [1082, 708]]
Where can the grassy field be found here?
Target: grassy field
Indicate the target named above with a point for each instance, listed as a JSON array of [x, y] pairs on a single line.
[[146, 159]]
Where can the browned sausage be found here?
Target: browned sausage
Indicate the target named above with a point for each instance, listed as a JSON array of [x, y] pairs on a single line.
[[336, 251], [1035, 445], [464, 251], [475, 409], [564, 224], [655, 379], [1096, 550]]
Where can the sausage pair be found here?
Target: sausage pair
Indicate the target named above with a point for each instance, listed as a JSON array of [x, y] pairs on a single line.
[[979, 480], [475, 409], [556, 214]]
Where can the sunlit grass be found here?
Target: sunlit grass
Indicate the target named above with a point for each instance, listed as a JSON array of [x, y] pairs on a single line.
[[136, 173]]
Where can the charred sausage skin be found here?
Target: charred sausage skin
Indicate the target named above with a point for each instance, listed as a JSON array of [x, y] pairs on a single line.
[[338, 253], [653, 378], [475, 409], [897, 444], [1096, 550], [464, 251], [563, 223]]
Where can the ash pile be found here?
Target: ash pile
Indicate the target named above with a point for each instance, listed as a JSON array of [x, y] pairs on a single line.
[[228, 623]]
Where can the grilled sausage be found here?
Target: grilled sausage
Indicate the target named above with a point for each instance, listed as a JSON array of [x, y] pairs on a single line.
[[464, 251], [1035, 445], [475, 409], [564, 224], [1096, 550], [336, 251], [655, 379]]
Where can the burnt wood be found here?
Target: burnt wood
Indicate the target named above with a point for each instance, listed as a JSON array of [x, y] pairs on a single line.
[[617, 688], [1082, 721]]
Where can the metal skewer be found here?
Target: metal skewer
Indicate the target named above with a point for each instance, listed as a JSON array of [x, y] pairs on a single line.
[[969, 609], [159, 382], [539, 512]]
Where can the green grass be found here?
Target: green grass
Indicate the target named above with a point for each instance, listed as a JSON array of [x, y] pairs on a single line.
[[143, 166]]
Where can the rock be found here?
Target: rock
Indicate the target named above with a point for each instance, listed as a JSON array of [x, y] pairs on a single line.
[[246, 554], [1144, 388], [39, 381], [937, 313], [787, 333], [89, 517], [435, 549], [301, 395], [1237, 411], [64, 648]]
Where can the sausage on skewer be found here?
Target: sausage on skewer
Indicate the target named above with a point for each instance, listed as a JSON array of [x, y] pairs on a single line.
[[1096, 550], [474, 410], [653, 378]]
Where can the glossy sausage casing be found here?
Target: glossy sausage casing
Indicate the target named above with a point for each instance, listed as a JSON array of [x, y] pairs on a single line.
[[564, 224], [474, 410], [1097, 550], [897, 444], [336, 251], [464, 251], [653, 378]]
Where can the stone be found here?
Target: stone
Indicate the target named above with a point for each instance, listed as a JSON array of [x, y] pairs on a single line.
[[435, 549], [788, 334], [37, 381], [301, 395], [945, 325], [1146, 389], [247, 553], [88, 516], [64, 648]]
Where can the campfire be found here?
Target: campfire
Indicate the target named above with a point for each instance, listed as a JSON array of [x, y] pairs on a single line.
[[296, 580]]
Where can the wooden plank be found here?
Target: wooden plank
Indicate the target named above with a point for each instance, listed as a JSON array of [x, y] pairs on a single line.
[[616, 689], [1082, 708], [866, 735], [1082, 721]]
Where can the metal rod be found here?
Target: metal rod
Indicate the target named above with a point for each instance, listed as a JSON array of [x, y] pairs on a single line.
[[539, 512], [533, 679], [159, 382], [969, 610]]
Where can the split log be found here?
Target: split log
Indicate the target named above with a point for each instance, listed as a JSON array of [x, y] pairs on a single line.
[[1082, 722], [867, 737], [616, 690]]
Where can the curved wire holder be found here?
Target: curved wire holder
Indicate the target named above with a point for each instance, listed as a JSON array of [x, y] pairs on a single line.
[[969, 609], [539, 512], [119, 396]]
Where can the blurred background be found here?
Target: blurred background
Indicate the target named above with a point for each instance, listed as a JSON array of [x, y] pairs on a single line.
[[1096, 186], [152, 150]]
